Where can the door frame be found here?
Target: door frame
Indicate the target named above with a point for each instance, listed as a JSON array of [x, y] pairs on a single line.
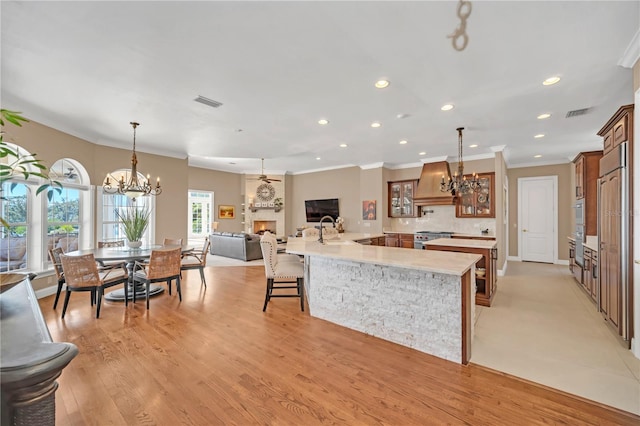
[[554, 180], [206, 226]]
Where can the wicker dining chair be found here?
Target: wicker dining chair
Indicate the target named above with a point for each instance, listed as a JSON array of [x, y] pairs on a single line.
[[54, 255], [81, 274], [108, 244], [163, 265], [191, 260], [172, 242]]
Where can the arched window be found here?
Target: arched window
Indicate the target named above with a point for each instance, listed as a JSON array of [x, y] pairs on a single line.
[[68, 223], [108, 222]]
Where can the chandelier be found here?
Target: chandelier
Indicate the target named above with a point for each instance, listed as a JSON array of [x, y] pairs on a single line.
[[132, 187], [460, 184]]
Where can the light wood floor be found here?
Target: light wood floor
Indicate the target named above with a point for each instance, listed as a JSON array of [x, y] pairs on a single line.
[[217, 359]]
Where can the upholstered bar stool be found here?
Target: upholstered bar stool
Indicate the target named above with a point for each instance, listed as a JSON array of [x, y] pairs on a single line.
[[281, 273]]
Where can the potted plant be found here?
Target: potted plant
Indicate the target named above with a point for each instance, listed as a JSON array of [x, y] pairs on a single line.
[[134, 222]]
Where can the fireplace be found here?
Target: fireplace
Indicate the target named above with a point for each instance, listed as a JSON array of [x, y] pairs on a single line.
[[259, 226]]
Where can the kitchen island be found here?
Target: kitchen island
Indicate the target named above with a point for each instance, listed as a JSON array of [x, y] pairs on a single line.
[[486, 274], [416, 298]]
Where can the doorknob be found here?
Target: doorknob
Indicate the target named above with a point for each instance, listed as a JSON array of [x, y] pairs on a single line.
[[524, 230]]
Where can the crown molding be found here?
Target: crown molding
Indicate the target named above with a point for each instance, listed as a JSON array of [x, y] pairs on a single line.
[[632, 53]]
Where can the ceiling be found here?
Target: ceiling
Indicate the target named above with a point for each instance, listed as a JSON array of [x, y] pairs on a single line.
[[89, 68]]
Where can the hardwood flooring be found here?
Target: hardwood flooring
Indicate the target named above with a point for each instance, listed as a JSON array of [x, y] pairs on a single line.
[[217, 359]]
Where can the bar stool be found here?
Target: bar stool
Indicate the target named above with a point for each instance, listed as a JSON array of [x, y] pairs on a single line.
[[280, 273]]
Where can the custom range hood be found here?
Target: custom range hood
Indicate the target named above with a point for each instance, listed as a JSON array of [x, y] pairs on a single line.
[[428, 191]]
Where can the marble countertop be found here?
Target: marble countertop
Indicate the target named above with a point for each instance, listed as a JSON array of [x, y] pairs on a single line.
[[461, 242], [571, 239], [344, 248], [592, 242]]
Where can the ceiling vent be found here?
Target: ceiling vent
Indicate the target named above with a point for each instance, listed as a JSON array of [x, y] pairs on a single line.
[[207, 101], [577, 112]]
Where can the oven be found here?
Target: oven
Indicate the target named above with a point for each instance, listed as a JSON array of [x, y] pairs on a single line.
[[579, 212], [421, 237]]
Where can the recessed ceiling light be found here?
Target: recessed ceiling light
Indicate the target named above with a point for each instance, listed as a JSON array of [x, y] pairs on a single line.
[[539, 135], [543, 116], [422, 153], [323, 121], [403, 115], [343, 145], [537, 156], [231, 162], [318, 158], [381, 84], [402, 142], [551, 80], [447, 107], [475, 145], [375, 124]]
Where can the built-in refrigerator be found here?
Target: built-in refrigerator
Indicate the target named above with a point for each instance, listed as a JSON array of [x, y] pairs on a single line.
[[613, 231]]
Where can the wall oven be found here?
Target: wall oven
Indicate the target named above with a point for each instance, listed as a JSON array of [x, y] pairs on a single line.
[[579, 212]]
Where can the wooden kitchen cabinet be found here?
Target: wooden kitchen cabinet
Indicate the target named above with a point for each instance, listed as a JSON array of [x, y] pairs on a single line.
[[399, 240], [587, 167], [613, 276], [587, 280], [481, 203], [401, 198], [486, 286], [576, 270]]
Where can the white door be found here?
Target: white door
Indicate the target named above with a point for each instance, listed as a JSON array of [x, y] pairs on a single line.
[[200, 216], [537, 208]]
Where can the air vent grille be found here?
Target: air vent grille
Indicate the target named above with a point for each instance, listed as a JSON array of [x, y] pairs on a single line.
[[577, 112], [207, 101]]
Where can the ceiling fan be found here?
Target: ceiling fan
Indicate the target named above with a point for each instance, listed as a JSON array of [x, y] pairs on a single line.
[[264, 177], [70, 173]]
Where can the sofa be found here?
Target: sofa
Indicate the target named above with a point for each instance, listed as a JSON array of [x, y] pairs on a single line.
[[235, 245]]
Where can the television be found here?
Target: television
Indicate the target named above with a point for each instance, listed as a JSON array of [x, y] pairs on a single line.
[[316, 209]]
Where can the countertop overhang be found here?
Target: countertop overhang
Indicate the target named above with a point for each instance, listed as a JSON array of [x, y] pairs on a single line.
[[461, 242], [344, 247]]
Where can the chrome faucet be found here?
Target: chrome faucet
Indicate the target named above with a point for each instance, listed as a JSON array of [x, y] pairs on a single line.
[[323, 218]]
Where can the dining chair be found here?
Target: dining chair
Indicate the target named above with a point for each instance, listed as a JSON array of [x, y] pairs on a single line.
[[172, 242], [198, 261], [81, 274], [108, 244], [54, 255], [279, 271], [163, 265]]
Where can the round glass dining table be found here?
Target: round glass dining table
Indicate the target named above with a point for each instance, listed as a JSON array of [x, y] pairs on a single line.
[[130, 256]]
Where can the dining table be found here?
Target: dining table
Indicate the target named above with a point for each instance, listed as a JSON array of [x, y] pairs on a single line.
[[128, 255]]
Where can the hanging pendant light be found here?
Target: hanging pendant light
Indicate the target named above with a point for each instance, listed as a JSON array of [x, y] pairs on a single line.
[[133, 187], [459, 184]]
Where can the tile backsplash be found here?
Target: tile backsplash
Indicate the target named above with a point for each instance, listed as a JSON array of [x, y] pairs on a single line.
[[442, 218]]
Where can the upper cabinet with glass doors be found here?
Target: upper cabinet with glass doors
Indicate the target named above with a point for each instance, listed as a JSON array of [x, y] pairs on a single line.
[[401, 198], [480, 203]]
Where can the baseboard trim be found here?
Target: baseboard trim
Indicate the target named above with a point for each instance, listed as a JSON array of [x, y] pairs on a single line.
[[514, 258], [47, 291], [561, 262]]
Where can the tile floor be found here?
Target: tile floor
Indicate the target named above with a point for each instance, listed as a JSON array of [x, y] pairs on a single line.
[[544, 328]]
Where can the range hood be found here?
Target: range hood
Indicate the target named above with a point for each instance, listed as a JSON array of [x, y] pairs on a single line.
[[428, 191]]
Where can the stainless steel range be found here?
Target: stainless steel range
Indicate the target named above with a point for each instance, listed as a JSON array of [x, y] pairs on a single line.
[[424, 236]]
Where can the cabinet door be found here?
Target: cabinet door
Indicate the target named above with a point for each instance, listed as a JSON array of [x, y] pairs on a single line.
[[579, 177], [407, 199], [392, 240], [394, 199], [620, 131], [406, 241], [479, 203], [608, 141]]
